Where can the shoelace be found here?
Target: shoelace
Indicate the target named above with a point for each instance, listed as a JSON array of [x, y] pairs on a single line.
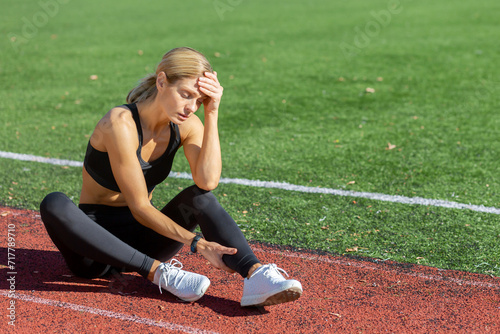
[[274, 270], [166, 267]]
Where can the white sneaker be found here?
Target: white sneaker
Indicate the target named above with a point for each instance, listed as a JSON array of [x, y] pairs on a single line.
[[182, 284], [267, 286]]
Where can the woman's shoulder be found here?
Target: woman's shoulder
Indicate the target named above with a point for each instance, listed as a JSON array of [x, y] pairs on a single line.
[[119, 113], [117, 117], [116, 123]]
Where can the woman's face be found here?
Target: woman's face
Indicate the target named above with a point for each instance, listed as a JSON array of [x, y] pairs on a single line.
[[181, 100]]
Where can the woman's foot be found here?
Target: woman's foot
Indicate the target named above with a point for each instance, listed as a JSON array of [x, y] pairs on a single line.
[[267, 286], [183, 284]]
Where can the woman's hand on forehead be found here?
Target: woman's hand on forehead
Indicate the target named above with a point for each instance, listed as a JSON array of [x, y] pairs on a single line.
[[209, 86]]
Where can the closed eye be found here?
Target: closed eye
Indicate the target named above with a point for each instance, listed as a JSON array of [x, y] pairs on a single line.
[[189, 95]]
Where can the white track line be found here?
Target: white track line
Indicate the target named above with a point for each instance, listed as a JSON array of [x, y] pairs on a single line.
[[29, 157], [109, 314], [362, 265], [286, 186]]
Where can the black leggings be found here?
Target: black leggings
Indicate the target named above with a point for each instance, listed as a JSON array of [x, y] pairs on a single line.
[[95, 239]]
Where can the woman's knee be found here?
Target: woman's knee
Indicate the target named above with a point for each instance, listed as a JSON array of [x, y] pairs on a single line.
[[203, 199], [52, 204], [190, 205], [53, 200]]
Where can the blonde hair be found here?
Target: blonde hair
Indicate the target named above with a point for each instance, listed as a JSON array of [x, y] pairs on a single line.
[[178, 63]]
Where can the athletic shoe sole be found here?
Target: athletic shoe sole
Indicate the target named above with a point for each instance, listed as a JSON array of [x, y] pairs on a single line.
[[277, 297], [195, 298]]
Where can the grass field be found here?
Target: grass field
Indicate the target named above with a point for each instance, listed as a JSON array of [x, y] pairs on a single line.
[[373, 96]]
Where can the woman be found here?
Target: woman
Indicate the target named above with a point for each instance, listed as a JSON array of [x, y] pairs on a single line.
[[115, 226]]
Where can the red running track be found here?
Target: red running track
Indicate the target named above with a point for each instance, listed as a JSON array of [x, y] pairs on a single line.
[[341, 295]]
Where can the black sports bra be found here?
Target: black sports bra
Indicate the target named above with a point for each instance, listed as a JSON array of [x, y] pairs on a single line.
[[99, 168]]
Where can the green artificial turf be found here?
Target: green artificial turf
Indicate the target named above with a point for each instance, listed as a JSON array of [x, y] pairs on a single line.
[[315, 93]]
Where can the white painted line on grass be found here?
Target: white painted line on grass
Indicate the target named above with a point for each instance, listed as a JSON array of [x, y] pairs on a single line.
[[361, 265], [372, 196], [287, 186], [29, 157], [104, 313]]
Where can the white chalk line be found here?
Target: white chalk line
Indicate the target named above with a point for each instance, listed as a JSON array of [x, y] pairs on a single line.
[[285, 186], [105, 313], [361, 265]]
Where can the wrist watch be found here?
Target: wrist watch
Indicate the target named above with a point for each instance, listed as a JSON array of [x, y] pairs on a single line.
[[194, 243]]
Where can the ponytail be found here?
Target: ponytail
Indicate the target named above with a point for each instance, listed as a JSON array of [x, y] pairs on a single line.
[[143, 91]]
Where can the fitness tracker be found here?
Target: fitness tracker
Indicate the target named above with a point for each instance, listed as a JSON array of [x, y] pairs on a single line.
[[194, 243]]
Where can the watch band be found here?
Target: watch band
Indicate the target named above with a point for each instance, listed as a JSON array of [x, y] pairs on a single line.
[[194, 243]]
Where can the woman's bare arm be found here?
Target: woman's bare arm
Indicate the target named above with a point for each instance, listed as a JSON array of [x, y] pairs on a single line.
[[201, 144], [121, 145]]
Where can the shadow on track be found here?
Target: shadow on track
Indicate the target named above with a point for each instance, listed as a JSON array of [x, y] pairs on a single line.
[[42, 270]]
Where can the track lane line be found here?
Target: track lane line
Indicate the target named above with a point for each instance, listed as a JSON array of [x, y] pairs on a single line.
[[105, 313], [285, 186]]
